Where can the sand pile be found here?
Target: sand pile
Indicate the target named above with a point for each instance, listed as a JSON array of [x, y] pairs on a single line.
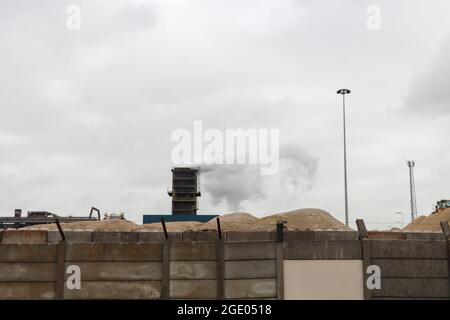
[[236, 221], [103, 225], [429, 223], [302, 219], [305, 219], [178, 226]]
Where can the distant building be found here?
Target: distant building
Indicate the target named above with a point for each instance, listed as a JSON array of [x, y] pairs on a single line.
[[185, 190]]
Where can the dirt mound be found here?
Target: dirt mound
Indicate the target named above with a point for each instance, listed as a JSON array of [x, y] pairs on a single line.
[[429, 223], [305, 219], [178, 226], [103, 225], [302, 219], [236, 216]]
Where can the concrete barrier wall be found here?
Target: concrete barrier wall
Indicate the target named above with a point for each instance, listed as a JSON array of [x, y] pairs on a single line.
[[24, 236], [323, 250], [27, 271], [108, 271], [315, 269], [250, 270], [323, 279], [135, 270], [193, 270], [43, 236], [71, 236], [115, 271], [145, 266], [410, 269]]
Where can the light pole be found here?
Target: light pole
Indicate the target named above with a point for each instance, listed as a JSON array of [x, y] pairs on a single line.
[[344, 92]]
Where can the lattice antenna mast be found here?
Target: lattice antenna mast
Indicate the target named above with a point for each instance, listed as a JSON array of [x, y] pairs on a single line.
[[412, 189]]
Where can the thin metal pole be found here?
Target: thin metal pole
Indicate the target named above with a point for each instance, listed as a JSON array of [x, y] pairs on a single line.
[[411, 191], [345, 163]]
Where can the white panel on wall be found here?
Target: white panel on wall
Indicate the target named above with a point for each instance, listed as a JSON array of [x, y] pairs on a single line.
[[323, 279]]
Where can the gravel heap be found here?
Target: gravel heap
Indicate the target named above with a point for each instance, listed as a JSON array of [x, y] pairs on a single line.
[[231, 222], [302, 219], [306, 219], [429, 223], [102, 225], [178, 226]]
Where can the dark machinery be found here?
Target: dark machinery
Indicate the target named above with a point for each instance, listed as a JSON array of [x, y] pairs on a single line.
[[42, 217], [441, 205], [185, 190]]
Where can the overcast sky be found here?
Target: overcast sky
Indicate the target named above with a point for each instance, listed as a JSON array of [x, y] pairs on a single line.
[[86, 115]]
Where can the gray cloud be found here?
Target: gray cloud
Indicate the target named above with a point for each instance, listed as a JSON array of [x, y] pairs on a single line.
[[298, 167], [235, 184], [429, 92], [134, 16]]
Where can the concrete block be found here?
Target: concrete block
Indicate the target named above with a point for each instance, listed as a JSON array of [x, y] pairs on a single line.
[[200, 236], [273, 235], [322, 250], [27, 290], [118, 271], [27, 271], [24, 236], [424, 236], [158, 236], [193, 289], [114, 237], [114, 252], [250, 250], [336, 235], [409, 249], [71, 236], [28, 252], [412, 268], [247, 236], [412, 288], [250, 269], [300, 235], [386, 235], [115, 290], [250, 288], [189, 270], [193, 251], [323, 280]]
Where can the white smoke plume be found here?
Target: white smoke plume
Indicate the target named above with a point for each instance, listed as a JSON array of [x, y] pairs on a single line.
[[234, 184]]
